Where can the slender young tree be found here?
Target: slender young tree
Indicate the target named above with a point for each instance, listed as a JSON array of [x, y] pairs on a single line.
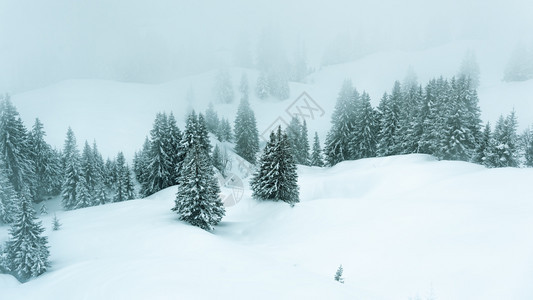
[[72, 171], [316, 155]]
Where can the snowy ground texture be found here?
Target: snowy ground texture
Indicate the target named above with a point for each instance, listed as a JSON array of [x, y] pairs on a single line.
[[402, 227]]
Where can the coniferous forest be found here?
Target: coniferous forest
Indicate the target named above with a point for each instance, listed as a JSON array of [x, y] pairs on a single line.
[[442, 119]]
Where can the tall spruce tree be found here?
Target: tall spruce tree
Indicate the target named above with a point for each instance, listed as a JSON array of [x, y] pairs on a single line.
[[160, 171], [45, 168], [172, 147], [277, 177], [484, 149], [224, 87], [244, 87], [8, 197], [337, 147], [124, 189], [27, 250], [506, 140], [246, 134], [212, 121], [89, 169], [364, 138], [15, 149], [389, 107], [528, 147], [72, 171], [303, 157], [197, 200], [262, 87]]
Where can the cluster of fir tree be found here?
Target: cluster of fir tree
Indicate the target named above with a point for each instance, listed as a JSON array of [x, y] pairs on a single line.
[[276, 178], [29, 172], [88, 181], [220, 127], [442, 120], [504, 147], [27, 163], [171, 157], [274, 68]]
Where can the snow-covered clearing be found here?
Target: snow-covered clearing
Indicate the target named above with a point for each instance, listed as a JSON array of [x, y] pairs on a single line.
[[401, 226]]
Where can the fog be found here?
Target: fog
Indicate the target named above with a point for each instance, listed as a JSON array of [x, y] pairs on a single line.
[[42, 42]]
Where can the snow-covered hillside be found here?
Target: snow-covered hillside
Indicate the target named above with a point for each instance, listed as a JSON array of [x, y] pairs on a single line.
[[401, 226], [119, 115]]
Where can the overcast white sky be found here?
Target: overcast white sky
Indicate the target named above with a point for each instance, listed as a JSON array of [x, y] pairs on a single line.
[[42, 42]]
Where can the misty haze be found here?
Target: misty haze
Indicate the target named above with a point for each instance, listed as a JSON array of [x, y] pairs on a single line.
[[266, 149]]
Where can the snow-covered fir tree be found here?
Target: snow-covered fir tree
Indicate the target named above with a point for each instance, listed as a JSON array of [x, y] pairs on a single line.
[[47, 168], [470, 69], [197, 200], [217, 160], [224, 87], [364, 138], [84, 198], [160, 173], [8, 197], [172, 147], [56, 225], [27, 250], [461, 122], [124, 189], [338, 275], [277, 177], [89, 171], [244, 87], [141, 160], [15, 148], [72, 171], [225, 133], [212, 121], [484, 151], [527, 145], [303, 156], [316, 154], [506, 142], [262, 86], [246, 134], [389, 108], [337, 147]]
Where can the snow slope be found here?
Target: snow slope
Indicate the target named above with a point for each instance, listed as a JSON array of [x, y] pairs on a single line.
[[119, 115], [401, 226]]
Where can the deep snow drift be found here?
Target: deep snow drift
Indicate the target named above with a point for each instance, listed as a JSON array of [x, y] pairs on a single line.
[[401, 226]]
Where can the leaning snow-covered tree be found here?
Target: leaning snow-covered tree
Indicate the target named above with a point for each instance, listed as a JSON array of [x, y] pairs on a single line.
[[27, 250], [197, 200], [277, 177]]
